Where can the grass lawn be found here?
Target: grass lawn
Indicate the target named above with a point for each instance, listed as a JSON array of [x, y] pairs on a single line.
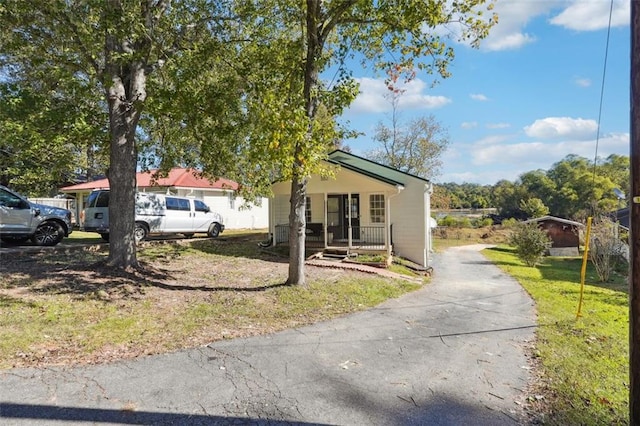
[[584, 361], [61, 307]]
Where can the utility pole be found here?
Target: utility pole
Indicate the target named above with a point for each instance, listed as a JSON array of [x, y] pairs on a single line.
[[634, 223]]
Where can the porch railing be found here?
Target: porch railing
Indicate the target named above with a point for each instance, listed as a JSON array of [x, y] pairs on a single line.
[[363, 237], [367, 237]]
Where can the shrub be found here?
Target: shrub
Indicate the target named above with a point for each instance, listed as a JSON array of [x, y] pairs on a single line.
[[463, 222], [482, 222], [530, 242], [448, 221], [509, 223], [605, 250]]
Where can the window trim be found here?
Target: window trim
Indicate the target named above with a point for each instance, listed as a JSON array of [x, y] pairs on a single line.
[[377, 208]]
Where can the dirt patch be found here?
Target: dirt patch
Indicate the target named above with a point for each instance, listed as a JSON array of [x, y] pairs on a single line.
[[227, 275]]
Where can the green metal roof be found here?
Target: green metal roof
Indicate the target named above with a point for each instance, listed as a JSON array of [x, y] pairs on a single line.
[[372, 169]]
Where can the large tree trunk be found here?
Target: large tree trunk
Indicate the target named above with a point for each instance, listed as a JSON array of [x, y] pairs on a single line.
[[297, 225], [297, 228], [125, 96]]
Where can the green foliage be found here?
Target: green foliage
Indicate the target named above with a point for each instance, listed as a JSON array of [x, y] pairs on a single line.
[[569, 189], [482, 222], [510, 223], [530, 243], [606, 248], [448, 221], [534, 207], [584, 361]]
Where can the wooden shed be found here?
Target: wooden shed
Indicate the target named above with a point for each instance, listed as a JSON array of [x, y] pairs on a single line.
[[564, 234]]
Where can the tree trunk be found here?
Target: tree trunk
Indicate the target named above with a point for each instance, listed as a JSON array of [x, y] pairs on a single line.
[[297, 228], [297, 225], [125, 104]]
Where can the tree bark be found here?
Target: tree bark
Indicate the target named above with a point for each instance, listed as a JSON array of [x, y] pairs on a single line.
[[297, 225], [297, 233], [125, 104]]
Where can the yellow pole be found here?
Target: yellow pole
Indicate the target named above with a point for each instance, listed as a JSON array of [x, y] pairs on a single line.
[[585, 258]]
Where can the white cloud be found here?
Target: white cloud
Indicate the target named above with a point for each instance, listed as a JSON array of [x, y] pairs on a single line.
[[513, 17], [536, 155], [583, 15], [469, 124], [373, 97], [562, 127], [582, 82], [498, 125], [478, 97]]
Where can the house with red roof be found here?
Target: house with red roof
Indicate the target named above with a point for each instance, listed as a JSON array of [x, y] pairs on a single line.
[[220, 195]]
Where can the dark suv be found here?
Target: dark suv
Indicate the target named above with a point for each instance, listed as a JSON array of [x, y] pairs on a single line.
[[20, 220]]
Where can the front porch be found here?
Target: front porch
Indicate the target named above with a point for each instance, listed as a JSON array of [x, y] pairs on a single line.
[[359, 238]]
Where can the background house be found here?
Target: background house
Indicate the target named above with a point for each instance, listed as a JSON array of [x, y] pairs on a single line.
[[564, 234], [366, 207], [220, 195]]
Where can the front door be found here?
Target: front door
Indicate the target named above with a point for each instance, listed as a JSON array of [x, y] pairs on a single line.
[[338, 216]]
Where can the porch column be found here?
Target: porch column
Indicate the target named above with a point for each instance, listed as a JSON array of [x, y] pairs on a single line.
[[325, 220], [349, 234], [272, 220], [387, 223]]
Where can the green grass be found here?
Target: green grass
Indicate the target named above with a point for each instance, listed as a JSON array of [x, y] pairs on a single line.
[[584, 359], [48, 318]]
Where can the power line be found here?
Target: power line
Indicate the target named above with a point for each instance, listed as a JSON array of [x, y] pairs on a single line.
[[604, 75]]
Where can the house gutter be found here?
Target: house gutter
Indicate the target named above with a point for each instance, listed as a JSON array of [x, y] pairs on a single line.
[[428, 243]]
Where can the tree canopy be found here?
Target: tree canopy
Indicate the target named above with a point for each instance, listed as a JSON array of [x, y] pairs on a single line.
[[572, 188]]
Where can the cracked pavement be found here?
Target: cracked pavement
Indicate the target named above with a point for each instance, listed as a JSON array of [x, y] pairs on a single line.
[[452, 353]]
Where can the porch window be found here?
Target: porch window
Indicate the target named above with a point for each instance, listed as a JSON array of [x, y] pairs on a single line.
[[232, 200], [307, 209], [376, 208]]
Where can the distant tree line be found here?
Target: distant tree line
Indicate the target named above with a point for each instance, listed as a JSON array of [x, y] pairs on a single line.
[[572, 188]]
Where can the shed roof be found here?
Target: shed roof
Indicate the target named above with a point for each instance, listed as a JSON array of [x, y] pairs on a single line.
[[179, 177], [371, 168], [554, 219]]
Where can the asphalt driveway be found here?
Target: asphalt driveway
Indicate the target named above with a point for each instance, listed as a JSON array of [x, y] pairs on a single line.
[[452, 353]]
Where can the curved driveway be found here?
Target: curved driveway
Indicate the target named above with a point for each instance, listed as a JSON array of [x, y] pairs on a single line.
[[452, 353]]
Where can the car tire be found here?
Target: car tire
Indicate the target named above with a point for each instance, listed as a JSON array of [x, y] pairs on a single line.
[[48, 234], [105, 236], [214, 230], [140, 232]]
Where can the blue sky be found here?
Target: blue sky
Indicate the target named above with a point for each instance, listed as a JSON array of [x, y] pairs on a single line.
[[527, 98]]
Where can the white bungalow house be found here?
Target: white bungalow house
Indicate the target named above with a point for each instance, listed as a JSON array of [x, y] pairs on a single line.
[[367, 207], [220, 196]]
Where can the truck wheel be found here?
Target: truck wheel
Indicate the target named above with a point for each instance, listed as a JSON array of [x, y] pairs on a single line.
[[140, 232], [48, 234], [214, 230]]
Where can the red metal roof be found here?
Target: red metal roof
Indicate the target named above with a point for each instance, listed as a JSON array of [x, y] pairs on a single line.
[[183, 178]]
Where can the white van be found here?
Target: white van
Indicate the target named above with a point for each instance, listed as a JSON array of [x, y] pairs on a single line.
[[155, 214]]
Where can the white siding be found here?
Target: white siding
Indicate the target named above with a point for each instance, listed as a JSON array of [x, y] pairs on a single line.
[[409, 224], [235, 216], [407, 208]]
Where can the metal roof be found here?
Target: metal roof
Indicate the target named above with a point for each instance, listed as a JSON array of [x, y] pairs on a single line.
[[371, 169]]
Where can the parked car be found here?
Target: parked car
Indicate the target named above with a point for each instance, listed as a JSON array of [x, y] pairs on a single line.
[[155, 214], [21, 220]]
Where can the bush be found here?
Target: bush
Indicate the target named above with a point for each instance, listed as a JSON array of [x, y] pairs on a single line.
[[448, 221], [530, 242], [482, 222], [463, 222], [509, 223], [606, 251]]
